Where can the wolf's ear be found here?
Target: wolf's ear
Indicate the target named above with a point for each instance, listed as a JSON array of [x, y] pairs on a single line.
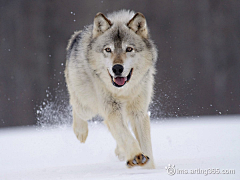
[[100, 25], [139, 25]]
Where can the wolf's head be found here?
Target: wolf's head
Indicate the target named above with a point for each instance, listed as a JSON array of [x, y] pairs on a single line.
[[121, 51]]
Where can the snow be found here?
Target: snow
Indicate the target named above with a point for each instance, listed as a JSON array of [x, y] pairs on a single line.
[[33, 153]]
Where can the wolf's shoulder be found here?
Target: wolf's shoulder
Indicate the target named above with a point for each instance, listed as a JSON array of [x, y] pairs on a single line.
[[74, 40], [79, 37]]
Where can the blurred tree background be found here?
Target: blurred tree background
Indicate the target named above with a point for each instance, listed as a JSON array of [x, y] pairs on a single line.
[[198, 42]]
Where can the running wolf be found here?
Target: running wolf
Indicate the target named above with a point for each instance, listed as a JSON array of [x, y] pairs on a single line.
[[109, 72]]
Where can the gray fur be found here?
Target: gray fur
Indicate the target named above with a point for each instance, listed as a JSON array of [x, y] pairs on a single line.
[[89, 79]]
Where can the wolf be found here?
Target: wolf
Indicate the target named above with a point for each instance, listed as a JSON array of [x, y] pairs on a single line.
[[109, 71]]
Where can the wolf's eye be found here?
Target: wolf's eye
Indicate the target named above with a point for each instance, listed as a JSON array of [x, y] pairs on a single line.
[[108, 50], [129, 49]]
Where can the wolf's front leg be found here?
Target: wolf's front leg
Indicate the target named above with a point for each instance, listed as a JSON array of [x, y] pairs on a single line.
[[80, 127], [141, 127], [125, 140], [120, 153]]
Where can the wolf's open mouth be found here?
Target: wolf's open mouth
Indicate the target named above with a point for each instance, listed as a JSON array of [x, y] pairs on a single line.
[[121, 81]]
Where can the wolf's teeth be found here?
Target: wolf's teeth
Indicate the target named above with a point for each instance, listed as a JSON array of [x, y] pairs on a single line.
[[125, 78], [113, 79]]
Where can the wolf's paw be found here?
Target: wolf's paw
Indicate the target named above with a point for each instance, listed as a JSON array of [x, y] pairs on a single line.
[[138, 160], [119, 154], [81, 135]]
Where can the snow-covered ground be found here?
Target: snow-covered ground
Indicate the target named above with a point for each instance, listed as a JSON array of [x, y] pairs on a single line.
[[33, 153]]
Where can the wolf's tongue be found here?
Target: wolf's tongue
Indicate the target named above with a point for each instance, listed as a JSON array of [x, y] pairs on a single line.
[[120, 80]]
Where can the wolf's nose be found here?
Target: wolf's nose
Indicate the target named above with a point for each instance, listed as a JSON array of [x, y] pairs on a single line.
[[117, 69]]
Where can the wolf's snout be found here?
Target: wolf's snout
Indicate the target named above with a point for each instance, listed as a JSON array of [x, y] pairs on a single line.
[[117, 69]]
